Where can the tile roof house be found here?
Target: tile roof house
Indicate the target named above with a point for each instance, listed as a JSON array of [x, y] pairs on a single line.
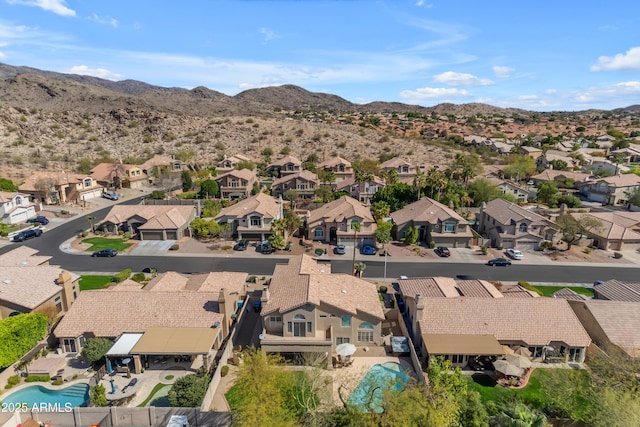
[[363, 190], [150, 222], [171, 301], [340, 167], [333, 221], [511, 226], [616, 290], [55, 187], [229, 163], [163, 162], [612, 190], [236, 184], [15, 208], [251, 218], [285, 166], [530, 151], [611, 323], [304, 183], [435, 223], [556, 175], [29, 284], [547, 326], [405, 170], [118, 175], [308, 309], [620, 230]]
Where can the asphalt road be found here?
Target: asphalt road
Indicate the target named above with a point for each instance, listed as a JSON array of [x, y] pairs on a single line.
[[49, 243]]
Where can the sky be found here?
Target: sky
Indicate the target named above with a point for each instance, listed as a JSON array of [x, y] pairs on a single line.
[[545, 55]]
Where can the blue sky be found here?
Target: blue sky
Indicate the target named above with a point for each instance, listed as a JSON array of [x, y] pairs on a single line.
[[542, 56]]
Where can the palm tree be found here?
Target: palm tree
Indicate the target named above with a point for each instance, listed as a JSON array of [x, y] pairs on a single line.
[[91, 219], [355, 226], [359, 269], [419, 182]]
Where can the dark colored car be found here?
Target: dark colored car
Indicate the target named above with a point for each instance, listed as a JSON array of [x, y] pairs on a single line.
[[241, 245], [27, 234], [340, 250], [265, 248], [501, 262], [367, 250], [257, 306], [150, 270], [105, 253], [39, 219], [442, 251]]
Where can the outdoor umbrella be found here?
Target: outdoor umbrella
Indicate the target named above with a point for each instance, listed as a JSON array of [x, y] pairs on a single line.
[[345, 349], [507, 349], [523, 351], [518, 360], [507, 368]]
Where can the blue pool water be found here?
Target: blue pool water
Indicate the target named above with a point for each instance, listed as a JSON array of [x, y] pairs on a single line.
[[369, 394], [68, 397]]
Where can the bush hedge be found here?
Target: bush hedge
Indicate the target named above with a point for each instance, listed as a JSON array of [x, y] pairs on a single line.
[[224, 371], [138, 277], [122, 276], [38, 378]]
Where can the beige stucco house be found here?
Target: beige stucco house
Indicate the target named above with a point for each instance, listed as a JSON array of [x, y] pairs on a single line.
[[304, 183], [405, 170], [236, 184], [363, 190], [15, 208], [251, 218], [285, 166], [340, 167], [118, 175], [612, 190], [55, 187], [333, 222], [619, 230], [150, 222]]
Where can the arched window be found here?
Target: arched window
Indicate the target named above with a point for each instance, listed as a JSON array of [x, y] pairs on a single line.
[[299, 317], [87, 182], [523, 227], [365, 332], [318, 232]]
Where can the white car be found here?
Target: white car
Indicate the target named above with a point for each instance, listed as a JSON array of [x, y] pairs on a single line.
[[514, 254]]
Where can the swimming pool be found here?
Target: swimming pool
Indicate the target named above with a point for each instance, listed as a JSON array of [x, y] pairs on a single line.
[[60, 398], [369, 394]]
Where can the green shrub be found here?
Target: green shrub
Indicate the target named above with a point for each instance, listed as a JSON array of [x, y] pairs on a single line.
[[252, 279], [224, 371], [56, 382], [587, 250], [528, 286], [122, 276], [617, 255], [227, 247], [64, 212], [96, 348], [500, 247], [484, 249], [99, 395], [14, 379], [174, 247], [8, 386], [383, 289], [138, 277], [38, 378], [432, 245]]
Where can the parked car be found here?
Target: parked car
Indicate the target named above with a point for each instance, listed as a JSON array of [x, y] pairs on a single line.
[[503, 262], [27, 234], [367, 250], [39, 219], [105, 253], [442, 251], [340, 250], [257, 306], [110, 195], [241, 245], [265, 248], [150, 270], [514, 253]]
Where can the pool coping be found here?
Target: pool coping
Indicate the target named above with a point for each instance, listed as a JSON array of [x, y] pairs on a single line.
[[44, 384]]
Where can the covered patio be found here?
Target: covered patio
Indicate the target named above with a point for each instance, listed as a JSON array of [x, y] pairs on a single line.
[[477, 351]]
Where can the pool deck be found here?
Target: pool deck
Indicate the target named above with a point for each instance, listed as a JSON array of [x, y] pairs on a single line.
[[146, 382]]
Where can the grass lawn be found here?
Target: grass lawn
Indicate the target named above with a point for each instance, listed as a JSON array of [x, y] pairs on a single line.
[[98, 243], [546, 291], [88, 283], [151, 396]]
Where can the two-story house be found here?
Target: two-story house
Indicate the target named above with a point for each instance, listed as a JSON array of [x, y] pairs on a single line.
[[435, 223], [341, 168], [304, 183], [251, 218], [236, 184], [612, 190], [15, 208], [307, 309], [119, 175], [229, 163], [405, 170], [285, 166], [55, 187], [511, 226], [333, 222], [362, 190]]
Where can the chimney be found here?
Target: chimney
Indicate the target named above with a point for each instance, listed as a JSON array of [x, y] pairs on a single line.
[[264, 298]]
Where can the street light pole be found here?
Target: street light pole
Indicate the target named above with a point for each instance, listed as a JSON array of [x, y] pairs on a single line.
[[385, 264]]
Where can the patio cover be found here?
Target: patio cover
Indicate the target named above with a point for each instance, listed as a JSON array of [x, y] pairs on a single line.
[[172, 341], [123, 345], [469, 344]]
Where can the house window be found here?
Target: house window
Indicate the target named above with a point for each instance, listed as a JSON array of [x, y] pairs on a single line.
[[346, 321], [536, 351], [58, 302], [70, 345], [275, 322], [302, 186], [575, 355], [309, 327], [523, 228], [341, 168], [256, 221], [342, 340], [405, 169], [365, 332], [318, 232], [449, 227], [299, 326], [18, 201], [289, 327], [457, 358]]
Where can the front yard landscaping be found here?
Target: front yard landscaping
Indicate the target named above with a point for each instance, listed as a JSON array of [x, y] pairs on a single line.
[[547, 291], [98, 243], [88, 283]]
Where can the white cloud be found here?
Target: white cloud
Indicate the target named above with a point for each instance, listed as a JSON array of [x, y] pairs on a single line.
[[59, 7], [629, 60], [421, 3], [502, 72], [3, 56], [269, 35], [460, 79], [106, 20], [433, 93], [95, 72]]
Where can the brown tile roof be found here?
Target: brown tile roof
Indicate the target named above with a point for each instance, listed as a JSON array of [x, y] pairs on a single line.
[[429, 287], [335, 161], [536, 321], [262, 203], [518, 291], [394, 163], [304, 175], [165, 216], [619, 225], [22, 255], [425, 210], [620, 321], [109, 313], [569, 295], [478, 289], [56, 177], [287, 159], [505, 212], [126, 285], [616, 290], [625, 180], [28, 285], [345, 183], [206, 282], [340, 210], [552, 174], [108, 171], [305, 281], [245, 174]]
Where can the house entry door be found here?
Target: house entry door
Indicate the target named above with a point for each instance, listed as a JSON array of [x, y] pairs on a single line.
[[299, 329]]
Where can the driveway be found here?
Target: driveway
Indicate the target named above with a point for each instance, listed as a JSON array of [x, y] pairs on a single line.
[[151, 247]]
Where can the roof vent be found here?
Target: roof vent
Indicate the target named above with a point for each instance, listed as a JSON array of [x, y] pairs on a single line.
[[344, 291], [216, 324]]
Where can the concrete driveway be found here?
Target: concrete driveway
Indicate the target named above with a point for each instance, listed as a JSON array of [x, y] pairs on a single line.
[[152, 247]]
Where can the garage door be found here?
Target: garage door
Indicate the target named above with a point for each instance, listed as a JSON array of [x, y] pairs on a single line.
[[524, 245], [151, 235], [172, 235]]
